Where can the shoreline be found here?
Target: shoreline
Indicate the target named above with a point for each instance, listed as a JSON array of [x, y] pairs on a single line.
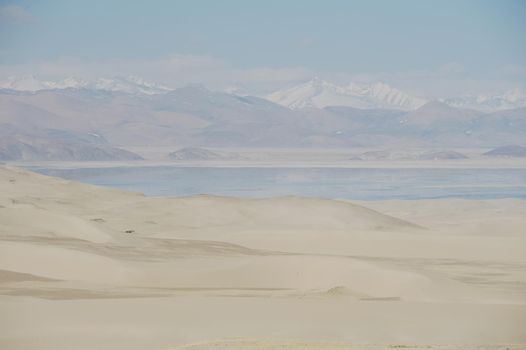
[[384, 183], [398, 164]]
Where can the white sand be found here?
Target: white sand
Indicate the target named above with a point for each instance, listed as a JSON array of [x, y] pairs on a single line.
[[283, 273]]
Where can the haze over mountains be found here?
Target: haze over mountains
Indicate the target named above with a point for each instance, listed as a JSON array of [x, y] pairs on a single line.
[[99, 117], [130, 84], [316, 92]]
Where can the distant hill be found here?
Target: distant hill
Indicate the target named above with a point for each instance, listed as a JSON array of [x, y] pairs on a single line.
[[194, 116], [409, 155], [507, 151], [442, 155], [31, 148], [196, 153]]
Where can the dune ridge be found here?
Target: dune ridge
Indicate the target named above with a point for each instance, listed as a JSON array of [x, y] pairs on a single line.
[[86, 267]]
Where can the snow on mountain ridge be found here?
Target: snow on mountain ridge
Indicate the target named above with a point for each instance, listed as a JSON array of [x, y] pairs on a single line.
[[130, 84], [320, 93], [25, 83], [316, 93], [511, 99]]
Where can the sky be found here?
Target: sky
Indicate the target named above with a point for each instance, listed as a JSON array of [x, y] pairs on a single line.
[[428, 47]]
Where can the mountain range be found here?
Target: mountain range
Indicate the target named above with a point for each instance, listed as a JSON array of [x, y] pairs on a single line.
[[316, 93], [100, 123], [508, 100], [130, 84]]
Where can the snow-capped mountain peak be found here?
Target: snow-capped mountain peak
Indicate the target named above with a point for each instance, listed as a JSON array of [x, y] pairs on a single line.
[[130, 84], [320, 93], [24, 83], [515, 98], [317, 93]]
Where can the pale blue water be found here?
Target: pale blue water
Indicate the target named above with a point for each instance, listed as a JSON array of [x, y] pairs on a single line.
[[362, 184]]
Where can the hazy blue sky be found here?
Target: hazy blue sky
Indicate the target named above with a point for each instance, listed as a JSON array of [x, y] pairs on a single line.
[[262, 44]]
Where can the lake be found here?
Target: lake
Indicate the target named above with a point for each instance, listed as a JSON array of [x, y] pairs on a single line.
[[345, 183]]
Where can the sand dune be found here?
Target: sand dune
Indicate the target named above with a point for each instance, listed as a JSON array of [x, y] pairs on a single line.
[[85, 267]]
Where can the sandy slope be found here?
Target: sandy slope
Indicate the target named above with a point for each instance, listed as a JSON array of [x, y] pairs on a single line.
[[282, 273]]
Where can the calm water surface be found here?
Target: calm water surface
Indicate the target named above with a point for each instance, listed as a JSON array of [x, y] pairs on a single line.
[[362, 184]]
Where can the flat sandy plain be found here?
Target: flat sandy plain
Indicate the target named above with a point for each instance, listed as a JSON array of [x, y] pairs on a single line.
[[83, 267]]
